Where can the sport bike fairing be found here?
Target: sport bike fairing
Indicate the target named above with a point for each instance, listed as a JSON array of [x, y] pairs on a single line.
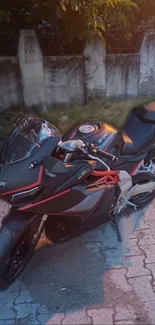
[[24, 149], [55, 187], [64, 191], [19, 175], [27, 138]]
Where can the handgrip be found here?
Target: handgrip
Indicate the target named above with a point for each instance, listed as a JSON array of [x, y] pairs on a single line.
[[103, 154]]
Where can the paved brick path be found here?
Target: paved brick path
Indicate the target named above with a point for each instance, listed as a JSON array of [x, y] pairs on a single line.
[[89, 280]]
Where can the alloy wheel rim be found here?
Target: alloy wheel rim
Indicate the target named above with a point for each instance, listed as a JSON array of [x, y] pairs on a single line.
[[150, 167], [19, 257]]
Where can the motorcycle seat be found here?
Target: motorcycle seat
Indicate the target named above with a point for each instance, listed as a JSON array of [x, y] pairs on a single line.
[[137, 135]]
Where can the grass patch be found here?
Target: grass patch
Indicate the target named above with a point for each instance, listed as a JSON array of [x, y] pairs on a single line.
[[113, 112]]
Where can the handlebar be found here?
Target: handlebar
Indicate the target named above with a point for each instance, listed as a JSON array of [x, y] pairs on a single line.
[[88, 150], [101, 153]]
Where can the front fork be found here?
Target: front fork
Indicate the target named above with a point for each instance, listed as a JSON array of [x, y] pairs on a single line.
[[37, 234]]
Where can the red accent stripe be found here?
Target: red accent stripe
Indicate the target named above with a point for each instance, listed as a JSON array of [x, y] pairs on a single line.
[[29, 187], [43, 201], [134, 170]]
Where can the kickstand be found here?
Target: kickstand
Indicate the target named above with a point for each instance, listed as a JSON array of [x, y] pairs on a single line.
[[116, 228]]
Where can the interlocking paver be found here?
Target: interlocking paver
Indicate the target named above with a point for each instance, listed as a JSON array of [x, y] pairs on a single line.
[[6, 300], [149, 216], [102, 316], [26, 309], [142, 287], [149, 250], [125, 312], [125, 322], [24, 295], [132, 248], [7, 322], [55, 320], [137, 267], [118, 277], [145, 237], [150, 309], [78, 318], [152, 268], [6, 312]]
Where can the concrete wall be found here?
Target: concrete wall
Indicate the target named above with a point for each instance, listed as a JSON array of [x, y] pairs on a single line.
[[33, 80], [10, 83], [31, 67], [122, 75], [147, 65], [64, 79], [95, 69]]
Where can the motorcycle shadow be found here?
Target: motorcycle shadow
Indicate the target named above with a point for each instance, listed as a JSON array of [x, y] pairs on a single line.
[[69, 277]]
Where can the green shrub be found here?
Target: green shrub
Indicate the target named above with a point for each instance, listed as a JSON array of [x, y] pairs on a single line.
[[113, 112]]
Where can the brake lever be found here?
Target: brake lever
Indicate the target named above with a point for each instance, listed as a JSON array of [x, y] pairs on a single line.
[[92, 149], [88, 155]]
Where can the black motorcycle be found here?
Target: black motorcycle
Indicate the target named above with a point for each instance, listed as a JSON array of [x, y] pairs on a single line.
[[68, 185]]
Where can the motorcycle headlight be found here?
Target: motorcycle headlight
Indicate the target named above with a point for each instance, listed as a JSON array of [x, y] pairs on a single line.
[[25, 194], [5, 208]]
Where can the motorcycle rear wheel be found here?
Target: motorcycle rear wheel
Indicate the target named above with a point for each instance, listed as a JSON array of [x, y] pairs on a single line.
[[17, 244], [143, 200]]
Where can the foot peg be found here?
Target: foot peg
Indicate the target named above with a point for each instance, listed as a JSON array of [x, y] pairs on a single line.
[[127, 203]]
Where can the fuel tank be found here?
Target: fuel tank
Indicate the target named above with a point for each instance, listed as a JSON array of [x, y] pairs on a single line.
[[102, 134]]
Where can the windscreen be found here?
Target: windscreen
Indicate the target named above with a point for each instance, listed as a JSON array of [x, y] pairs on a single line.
[[27, 138]]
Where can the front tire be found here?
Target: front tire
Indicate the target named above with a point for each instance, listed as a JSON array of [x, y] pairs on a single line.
[[17, 244]]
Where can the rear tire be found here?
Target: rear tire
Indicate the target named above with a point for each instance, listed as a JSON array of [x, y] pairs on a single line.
[[143, 200], [17, 244]]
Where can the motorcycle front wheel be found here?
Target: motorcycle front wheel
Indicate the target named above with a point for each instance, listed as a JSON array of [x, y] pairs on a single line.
[[18, 241]]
